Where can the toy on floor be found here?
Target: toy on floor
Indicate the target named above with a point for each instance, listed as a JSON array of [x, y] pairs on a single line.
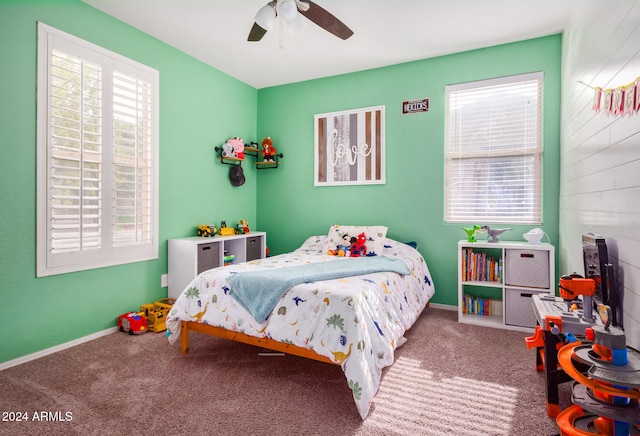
[[156, 314], [559, 317], [151, 317], [606, 398], [132, 322]]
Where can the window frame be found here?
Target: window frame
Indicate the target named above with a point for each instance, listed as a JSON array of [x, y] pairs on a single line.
[[108, 254], [492, 155]]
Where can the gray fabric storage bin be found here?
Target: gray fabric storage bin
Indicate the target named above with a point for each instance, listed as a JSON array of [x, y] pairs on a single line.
[[528, 268], [518, 308]]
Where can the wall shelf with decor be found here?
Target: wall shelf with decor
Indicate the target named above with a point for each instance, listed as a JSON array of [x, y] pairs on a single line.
[[496, 281], [264, 164], [227, 156]]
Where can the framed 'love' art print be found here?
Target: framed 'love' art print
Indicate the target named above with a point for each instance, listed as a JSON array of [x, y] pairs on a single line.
[[349, 147]]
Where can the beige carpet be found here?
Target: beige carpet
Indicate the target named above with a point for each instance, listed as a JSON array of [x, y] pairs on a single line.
[[449, 378]]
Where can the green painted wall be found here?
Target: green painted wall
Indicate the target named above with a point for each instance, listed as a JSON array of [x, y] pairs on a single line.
[[202, 107], [411, 202], [199, 107]]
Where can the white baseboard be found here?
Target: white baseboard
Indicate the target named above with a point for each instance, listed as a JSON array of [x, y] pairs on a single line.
[[46, 352], [443, 306]]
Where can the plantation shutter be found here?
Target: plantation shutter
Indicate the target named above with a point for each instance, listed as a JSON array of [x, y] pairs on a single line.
[[494, 151], [97, 156], [132, 160], [75, 154]]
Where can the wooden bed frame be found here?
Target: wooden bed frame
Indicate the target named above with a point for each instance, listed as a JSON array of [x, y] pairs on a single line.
[[270, 344], [267, 343]]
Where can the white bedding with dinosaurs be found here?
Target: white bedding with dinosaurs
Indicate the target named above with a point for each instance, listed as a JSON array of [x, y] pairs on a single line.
[[355, 321]]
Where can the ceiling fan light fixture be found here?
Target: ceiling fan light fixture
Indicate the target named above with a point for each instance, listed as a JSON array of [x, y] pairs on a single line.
[[297, 24], [266, 16], [287, 9]]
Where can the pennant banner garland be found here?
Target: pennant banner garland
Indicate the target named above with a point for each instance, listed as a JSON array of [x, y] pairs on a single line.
[[623, 100]]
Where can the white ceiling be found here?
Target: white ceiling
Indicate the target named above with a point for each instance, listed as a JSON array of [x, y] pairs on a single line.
[[385, 32]]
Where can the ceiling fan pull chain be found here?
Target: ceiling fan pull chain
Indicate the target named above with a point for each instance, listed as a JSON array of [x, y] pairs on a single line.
[[282, 33]]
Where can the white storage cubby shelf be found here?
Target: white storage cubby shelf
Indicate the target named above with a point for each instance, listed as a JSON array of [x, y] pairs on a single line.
[[188, 257], [499, 278]]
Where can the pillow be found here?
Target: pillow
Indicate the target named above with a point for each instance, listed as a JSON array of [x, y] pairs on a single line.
[[314, 244], [354, 241]]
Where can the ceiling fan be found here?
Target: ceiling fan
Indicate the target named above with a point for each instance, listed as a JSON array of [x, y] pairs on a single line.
[[289, 10]]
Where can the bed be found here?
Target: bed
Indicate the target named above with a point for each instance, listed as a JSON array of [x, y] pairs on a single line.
[[355, 321]]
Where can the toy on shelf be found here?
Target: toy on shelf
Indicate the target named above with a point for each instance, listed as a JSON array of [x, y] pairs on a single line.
[[233, 153], [493, 233], [270, 157], [227, 150], [224, 230], [207, 230], [242, 227], [472, 232], [228, 259], [232, 149], [132, 322], [251, 149], [238, 147], [268, 150]]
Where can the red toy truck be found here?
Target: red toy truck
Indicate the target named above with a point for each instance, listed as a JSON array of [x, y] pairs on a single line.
[[132, 322]]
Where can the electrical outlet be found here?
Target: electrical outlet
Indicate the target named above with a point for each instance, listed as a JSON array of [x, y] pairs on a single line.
[[164, 280]]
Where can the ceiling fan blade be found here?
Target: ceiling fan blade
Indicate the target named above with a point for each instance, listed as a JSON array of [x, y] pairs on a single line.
[[256, 33], [326, 20]]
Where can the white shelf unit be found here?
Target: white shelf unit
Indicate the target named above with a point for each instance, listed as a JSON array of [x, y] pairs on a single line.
[[524, 270], [188, 257]]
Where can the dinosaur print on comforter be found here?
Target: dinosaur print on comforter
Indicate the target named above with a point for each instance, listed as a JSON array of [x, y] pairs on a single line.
[[355, 321]]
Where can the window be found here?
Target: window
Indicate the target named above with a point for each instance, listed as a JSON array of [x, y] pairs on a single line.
[[494, 151], [97, 199]]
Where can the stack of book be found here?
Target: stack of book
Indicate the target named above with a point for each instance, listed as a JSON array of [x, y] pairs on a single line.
[[472, 305], [477, 266]]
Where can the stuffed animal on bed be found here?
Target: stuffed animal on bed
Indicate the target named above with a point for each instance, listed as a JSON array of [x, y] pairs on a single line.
[[358, 247], [344, 248]]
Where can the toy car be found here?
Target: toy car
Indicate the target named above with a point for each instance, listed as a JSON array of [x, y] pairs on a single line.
[[207, 230], [156, 314], [132, 322]]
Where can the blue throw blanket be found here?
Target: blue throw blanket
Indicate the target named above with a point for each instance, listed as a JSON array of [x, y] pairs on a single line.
[[260, 291]]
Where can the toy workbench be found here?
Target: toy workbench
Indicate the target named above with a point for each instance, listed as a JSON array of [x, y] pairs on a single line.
[[555, 321]]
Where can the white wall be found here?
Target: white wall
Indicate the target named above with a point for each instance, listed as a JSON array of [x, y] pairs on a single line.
[[600, 155]]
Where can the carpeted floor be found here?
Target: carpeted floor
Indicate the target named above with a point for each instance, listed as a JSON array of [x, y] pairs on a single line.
[[449, 378]]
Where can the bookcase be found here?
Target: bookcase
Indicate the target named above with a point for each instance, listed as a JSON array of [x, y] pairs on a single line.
[[497, 280], [188, 257]]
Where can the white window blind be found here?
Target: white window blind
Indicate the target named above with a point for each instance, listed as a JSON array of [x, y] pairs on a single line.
[[97, 156], [494, 151]]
